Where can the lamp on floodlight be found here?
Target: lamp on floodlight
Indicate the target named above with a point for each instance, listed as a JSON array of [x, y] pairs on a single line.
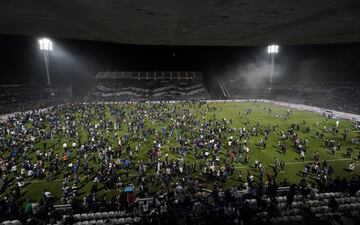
[[46, 46], [272, 50]]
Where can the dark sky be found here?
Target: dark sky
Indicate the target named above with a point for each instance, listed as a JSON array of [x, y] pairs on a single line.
[[78, 61]]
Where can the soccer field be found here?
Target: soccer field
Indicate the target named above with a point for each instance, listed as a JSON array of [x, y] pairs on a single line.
[[159, 116]]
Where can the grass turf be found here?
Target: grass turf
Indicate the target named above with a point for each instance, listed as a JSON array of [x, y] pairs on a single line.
[[236, 113]]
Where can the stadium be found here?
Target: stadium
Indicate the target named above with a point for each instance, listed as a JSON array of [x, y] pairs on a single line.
[[188, 116]]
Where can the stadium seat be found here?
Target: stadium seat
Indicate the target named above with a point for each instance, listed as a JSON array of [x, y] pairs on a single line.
[[97, 215], [77, 216], [347, 207], [15, 222], [83, 216], [316, 203], [111, 214], [299, 218], [281, 205], [128, 220], [313, 210], [281, 220], [341, 201], [295, 204], [267, 200], [297, 211], [357, 205], [355, 213], [121, 221], [99, 222], [286, 219]]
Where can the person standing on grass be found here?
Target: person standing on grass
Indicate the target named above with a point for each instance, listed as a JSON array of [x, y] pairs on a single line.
[[348, 152], [333, 150], [276, 167], [352, 167], [302, 156], [240, 177], [306, 171], [316, 157], [282, 166], [276, 163]]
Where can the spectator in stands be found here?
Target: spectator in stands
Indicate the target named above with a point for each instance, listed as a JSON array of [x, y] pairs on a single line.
[[290, 196], [333, 204]]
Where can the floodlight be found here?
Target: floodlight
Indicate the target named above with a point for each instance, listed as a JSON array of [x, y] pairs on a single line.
[[273, 49], [46, 47], [45, 44]]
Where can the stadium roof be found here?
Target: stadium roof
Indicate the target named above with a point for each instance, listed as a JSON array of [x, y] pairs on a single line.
[[186, 22]]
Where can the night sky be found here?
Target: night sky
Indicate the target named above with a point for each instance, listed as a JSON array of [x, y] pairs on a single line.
[[75, 61]]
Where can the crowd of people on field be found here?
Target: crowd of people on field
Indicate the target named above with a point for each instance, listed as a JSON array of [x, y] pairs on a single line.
[[119, 146], [335, 95]]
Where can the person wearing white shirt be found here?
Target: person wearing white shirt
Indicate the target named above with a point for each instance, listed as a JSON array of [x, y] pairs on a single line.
[[352, 167]]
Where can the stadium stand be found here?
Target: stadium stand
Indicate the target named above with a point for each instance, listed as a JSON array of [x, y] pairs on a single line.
[[128, 86], [341, 96], [299, 205], [15, 98]]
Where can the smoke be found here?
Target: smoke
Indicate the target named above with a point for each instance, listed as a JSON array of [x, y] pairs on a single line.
[[254, 74], [68, 66]]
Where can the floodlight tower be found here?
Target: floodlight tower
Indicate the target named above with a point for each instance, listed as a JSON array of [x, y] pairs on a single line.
[[46, 47], [272, 50]]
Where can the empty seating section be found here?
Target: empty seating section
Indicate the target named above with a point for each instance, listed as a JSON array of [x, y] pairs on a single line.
[[129, 86], [340, 96], [115, 217], [319, 207], [316, 206]]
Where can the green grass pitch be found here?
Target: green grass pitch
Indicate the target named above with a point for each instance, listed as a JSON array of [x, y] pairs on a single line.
[[230, 111]]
